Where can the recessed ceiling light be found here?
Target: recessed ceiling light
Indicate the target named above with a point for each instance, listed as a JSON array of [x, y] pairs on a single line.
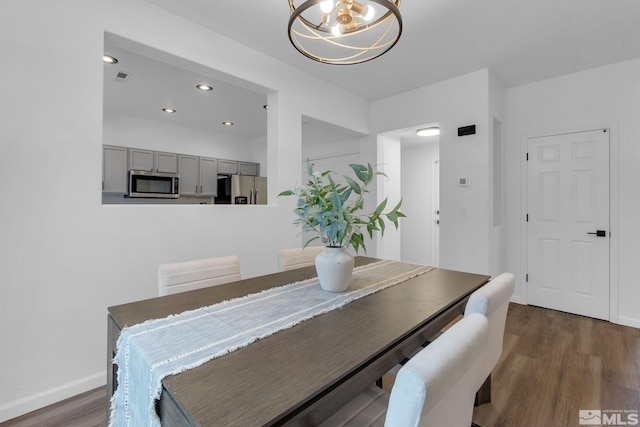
[[430, 131], [168, 110], [227, 123], [204, 87], [108, 59]]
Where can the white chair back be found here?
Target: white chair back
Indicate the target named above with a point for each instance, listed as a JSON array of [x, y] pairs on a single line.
[[437, 387], [288, 259], [190, 275], [492, 301]]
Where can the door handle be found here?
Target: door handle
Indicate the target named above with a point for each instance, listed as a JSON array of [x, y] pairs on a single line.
[[600, 233]]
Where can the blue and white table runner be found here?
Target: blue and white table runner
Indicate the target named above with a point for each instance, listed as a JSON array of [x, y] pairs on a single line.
[[149, 351]]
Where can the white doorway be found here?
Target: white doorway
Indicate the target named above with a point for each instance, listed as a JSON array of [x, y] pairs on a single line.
[[421, 198], [568, 259]]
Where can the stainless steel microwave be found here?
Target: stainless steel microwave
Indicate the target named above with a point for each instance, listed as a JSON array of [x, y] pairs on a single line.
[[154, 184]]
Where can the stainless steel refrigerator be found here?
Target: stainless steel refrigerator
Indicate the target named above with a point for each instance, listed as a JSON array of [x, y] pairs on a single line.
[[248, 190]]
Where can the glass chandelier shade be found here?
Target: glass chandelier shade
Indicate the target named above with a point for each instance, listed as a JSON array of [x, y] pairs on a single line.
[[344, 32]]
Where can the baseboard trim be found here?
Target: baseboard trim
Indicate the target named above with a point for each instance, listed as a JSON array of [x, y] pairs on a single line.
[[36, 401], [518, 300], [628, 321]]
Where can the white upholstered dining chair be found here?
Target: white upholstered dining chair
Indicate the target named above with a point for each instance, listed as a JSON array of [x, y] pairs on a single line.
[[492, 301], [190, 275], [288, 259], [437, 387]]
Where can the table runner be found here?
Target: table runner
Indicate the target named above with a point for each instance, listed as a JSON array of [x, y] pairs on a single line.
[[149, 351]]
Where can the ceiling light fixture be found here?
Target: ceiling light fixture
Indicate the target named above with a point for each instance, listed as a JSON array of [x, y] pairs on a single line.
[[168, 110], [108, 59], [204, 87], [430, 131], [227, 123], [344, 32]]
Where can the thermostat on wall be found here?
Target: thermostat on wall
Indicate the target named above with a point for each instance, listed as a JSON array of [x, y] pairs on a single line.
[[463, 181]]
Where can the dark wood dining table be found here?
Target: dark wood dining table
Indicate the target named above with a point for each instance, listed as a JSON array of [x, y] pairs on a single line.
[[300, 375]]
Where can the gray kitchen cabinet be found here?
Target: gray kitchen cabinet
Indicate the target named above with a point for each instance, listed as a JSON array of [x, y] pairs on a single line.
[[114, 170], [208, 176], [165, 162], [198, 176], [227, 167], [153, 161], [189, 178], [246, 168], [141, 160]]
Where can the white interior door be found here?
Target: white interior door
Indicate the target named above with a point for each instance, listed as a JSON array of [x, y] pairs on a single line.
[[568, 222]]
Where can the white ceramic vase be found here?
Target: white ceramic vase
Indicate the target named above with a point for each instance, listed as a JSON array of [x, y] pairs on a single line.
[[334, 267]]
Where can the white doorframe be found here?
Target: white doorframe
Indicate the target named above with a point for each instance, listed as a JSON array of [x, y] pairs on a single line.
[[614, 213], [435, 197]]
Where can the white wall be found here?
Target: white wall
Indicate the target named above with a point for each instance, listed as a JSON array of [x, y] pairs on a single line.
[[137, 132], [65, 257], [389, 186], [607, 96], [417, 192], [496, 173], [464, 211]]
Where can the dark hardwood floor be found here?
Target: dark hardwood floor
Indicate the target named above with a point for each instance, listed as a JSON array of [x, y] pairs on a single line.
[[553, 365], [84, 410]]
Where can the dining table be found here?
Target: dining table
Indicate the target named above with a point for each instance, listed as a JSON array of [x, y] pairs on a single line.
[[300, 375]]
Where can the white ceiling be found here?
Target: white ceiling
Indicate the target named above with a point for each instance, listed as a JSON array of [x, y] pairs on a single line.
[[521, 41], [156, 80]]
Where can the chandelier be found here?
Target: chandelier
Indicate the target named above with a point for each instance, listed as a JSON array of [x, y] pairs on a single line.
[[344, 32]]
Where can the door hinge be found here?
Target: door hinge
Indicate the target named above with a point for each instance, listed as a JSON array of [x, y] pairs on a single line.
[[527, 157], [526, 278], [527, 219]]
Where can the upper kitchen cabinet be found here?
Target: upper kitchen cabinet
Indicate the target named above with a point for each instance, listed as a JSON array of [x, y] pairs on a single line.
[[141, 160], [232, 167], [198, 176], [152, 161], [114, 170], [208, 176], [227, 167], [189, 182], [165, 162], [245, 168]]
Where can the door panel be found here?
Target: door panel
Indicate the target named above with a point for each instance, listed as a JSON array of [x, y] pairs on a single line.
[[568, 199]]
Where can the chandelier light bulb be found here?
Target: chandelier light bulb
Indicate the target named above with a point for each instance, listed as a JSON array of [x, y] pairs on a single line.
[[368, 13], [336, 30], [326, 6]]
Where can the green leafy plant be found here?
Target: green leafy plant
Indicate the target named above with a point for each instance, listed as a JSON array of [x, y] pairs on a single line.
[[332, 210]]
